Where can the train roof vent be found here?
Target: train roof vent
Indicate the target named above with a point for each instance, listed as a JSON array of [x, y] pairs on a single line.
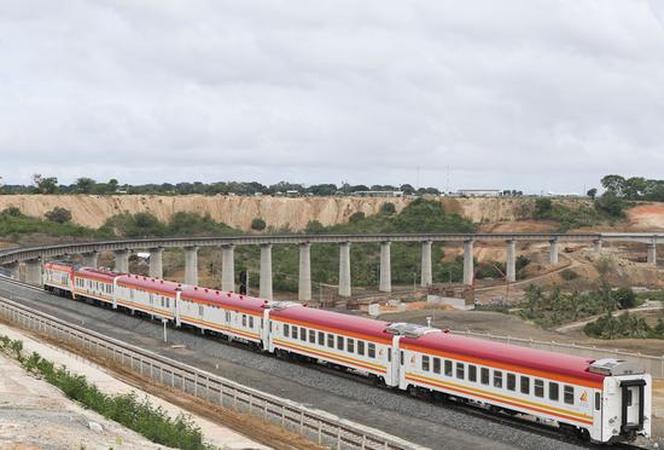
[[412, 330], [278, 306], [614, 367]]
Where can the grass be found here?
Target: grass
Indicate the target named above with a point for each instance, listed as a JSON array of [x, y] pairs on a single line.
[[127, 409]]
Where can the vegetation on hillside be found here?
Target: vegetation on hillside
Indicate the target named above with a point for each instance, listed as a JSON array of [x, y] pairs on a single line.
[[625, 325], [14, 224], [126, 409], [604, 209]]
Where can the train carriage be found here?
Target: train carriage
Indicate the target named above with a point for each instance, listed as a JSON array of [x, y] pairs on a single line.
[[58, 277], [95, 284], [151, 296], [338, 339], [237, 316]]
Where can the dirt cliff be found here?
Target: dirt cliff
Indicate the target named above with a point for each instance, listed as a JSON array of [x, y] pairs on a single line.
[[280, 212]]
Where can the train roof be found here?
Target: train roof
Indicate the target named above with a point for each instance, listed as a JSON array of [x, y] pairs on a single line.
[[223, 298], [163, 287], [507, 356], [334, 321], [97, 274]]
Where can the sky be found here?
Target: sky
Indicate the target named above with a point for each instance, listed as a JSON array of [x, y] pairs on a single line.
[[535, 95]]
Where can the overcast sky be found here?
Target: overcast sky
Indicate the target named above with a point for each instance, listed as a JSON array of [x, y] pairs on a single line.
[[526, 94]]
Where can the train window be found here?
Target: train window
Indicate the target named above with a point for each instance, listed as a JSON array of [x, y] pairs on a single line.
[[511, 382], [425, 363], [401, 357], [228, 320], [350, 345], [628, 401], [371, 351], [251, 322], [436, 365], [389, 355], [340, 342], [498, 379], [200, 310], [286, 327], [312, 336], [321, 338], [131, 294], [539, 388], [294, 332], [554, 391], [484, 375], [448, 367], [303, 334], [472, 373], [244, 320], [460, 371], [525, 385], [568, 395], [168, 302], [360, 348], [598, 401], [330, 340]]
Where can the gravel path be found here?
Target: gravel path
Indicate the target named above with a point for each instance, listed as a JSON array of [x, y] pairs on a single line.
[[428, 424]]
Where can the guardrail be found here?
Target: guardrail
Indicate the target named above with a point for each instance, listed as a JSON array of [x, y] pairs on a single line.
[[651, 364], [318, 426]]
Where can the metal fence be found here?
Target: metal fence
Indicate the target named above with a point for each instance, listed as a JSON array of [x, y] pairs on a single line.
[[318, 426], [651, 364]]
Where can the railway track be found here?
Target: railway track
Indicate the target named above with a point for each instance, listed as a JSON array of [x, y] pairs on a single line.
[[465, 410]]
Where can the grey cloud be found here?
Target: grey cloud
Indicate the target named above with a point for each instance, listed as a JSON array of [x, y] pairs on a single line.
[[505, 94]]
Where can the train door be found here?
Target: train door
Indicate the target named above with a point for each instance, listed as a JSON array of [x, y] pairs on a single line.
[[393, 365], [633, 404]]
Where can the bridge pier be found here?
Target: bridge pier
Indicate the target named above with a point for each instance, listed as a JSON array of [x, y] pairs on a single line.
[[344, 269], [156, 262], [304, 277], [385, 284], [510, 267], [191, 266], [91, 259], [597, 246], [228, 268], [265, 290], [33, 272], [553, 252], [652, 254], [121, 261], [468, 263], [14, 271], [426, 278]]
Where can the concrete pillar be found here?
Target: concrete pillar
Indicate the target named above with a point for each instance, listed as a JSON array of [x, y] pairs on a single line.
[[265, 290], [344, 270], [191, 266], [13, 270], [652, 254], [597, 246], [468, 263], [304, 281], [385, 268], [156, 263], [33, 272], [553, 252], [91, 259], [510, 267], [426, 278], [121, 261], [228, 268]]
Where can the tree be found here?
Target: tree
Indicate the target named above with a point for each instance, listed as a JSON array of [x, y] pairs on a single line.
[[58, 215], [356, 217], [610, 204], [543, 207], [388, 208], [614, 184], [258, 224], [592, 193], [407, 189], [47, 185], [624, 297], [85, 185]]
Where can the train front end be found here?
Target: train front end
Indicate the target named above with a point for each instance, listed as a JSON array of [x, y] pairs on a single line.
[[626, 400]]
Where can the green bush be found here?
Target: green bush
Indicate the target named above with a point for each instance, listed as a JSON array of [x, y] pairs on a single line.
[[569, 275], [258, 224], [58, 215]]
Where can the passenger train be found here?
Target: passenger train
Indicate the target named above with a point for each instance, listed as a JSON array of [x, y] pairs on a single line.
[[604, 400]]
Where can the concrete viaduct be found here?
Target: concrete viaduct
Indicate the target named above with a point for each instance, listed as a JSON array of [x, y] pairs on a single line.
[[32, 257]]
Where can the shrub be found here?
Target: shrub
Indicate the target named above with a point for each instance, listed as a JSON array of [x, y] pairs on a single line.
[[258, 224], [12, 211], [569, 275], [58, 215], [388, 208], [356, 217], [624, 297]]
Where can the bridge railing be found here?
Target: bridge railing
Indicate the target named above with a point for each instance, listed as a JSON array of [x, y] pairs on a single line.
[[650, 363], [318, 426]]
